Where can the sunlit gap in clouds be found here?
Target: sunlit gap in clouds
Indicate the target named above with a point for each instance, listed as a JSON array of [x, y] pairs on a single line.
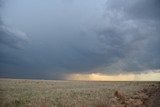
[[150, 75]]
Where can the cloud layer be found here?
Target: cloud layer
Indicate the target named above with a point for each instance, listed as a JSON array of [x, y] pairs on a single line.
[[78, 36], [131, 33], [11, 40], [10, 36]]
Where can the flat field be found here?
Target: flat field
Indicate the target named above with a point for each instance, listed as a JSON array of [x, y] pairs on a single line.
[[56, 93]]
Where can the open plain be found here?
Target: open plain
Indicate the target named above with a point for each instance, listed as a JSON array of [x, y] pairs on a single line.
[[59, 93]]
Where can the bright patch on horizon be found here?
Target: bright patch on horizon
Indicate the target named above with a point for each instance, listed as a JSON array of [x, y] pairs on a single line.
[[147, 76]]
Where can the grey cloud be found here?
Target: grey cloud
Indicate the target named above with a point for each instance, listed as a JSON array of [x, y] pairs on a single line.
[[12, 38], [79, 36], [149, 9], [136, 9], [0, 3], [133, 34]]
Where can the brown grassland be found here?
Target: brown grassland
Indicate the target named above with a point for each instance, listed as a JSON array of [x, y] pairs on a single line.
[[56, 93]]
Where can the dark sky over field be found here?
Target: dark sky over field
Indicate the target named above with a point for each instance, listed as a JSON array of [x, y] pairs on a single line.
[[50, 38]]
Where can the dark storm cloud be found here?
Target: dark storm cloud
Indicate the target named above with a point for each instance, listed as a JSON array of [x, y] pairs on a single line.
[[79, 36], [132, 32], [10, 39], [9, 36], [0, 3]]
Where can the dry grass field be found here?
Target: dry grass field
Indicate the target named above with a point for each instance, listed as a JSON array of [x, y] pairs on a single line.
[[55, 93]]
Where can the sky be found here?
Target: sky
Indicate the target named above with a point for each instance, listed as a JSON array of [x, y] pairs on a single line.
[[49, 39]]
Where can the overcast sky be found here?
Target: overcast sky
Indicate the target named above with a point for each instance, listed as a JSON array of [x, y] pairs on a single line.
[[49, 38]]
